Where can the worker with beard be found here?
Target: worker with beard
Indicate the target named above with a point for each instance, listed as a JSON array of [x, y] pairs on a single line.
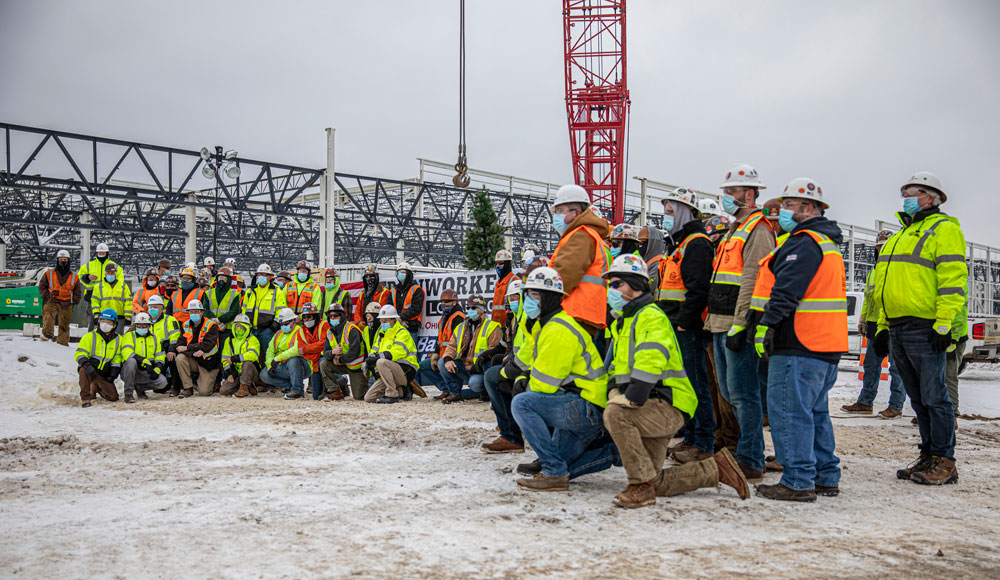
[[61, 290], [452, 315], [505, 273], [373, 291], [408, 298]]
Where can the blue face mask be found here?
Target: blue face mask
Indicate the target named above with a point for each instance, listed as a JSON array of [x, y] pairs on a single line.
[[532, 307], [786, 219], [911, 205], [559, 223], [615, 252], [262, 281], [142, 331], [401, 276], [286, 328], [668, 223], [386, 326], [154, 313], [729, 204], [515, 305], [196, 318], [187, 285], [615, 300], [331, 285], [499, 271], [302, 277], [473, 314], [334, 322], [111, 279], [281, 283]]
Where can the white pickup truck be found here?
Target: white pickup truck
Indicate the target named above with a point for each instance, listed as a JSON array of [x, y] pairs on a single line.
[[984, 341]]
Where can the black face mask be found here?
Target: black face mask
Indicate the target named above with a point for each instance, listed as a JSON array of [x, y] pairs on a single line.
[[101, 259], [370, 282], [62, 266], [551, 302]]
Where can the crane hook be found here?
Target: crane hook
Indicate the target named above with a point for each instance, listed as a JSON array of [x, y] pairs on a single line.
[[461, 179]]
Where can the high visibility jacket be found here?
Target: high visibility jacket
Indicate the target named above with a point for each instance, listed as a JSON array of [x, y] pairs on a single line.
[[345, 344], [671, 283], [398, 342], [764, 283], [263, 304], [564, 358], [524, 344], [407, 301], [95, 268], [922, 273], [446, 329], [247, 349], [370, 338], [298, 294], [646, 349], [326, 297], [315, 340], [62, 292], [589, 300], [382, 296], [93, 345], [820, 319], [118, 297], [167, 330], [727, 269], [148, 347], [486, 328], [207, 324], [216, 306], [960, 326], [499, 311], [179, 302], [870, 306], [285, 345], [141, 298]]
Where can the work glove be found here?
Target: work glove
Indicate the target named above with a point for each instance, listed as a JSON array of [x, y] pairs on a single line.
[[434, 363], [735, 338], [88, 368], [114, 372], [763, 341], [274, 365], [881, 343], [862, 328], [387, 355], [236, 358], [940, 337], [520, 385], [157, 369], [370, 361]]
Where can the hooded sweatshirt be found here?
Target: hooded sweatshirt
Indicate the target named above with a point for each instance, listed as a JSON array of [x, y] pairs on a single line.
[[655, 246], [578, 252], [408, 316]]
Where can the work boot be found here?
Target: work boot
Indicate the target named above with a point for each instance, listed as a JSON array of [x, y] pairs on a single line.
[[730, 473], [484, 397], [542, 482], [44, 338], [292, 396], [186, 393], [453, 399], [919, 465], [417, 390], [174, 392], [441, 396], [387, 400], [336, 396], [530, 468], [253, 390], [771, 464], [752, 475], [914, 422], [86, 404], [767, 422], [890, 413], [141, 394], [858, 409], [782, 493], [636, 495], [676, 448], [938, 471], [241, 392], [501, 445], [130, 398], [827, 490], [690, 455], [407, 393]]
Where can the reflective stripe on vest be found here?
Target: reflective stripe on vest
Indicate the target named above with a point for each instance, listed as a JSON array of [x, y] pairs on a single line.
[[588, 301], [297, 295], [728, 264], [671, 282], [257, 303], [764, 283], [407, 301], [205, 327], [92, 353], [641, 375], [180, 303], [62, 291], [227, 301], [345, 344], [593, 373], [447, 330]]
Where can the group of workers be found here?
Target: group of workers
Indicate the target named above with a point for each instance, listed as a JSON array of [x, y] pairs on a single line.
[[597, 355]]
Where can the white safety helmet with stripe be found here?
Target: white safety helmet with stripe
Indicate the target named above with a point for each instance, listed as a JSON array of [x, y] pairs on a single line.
[[141, 318], [926, 179], [514, 287], [242, 319], [803, 188], [388, 311], [742, 176], [544, 278], [404, 266], [62, 254], [628, 264], [195, 305], [684, 196], [155, 300], [571, 193], [286, 315], [709, 207], [264, 269]]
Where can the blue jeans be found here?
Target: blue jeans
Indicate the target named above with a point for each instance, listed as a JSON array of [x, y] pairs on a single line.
[[428, 376], [264, 336], [500, 403], [923, 373], [737, 376], [289, 375], [700, 430], [316, 383], [797, 389], [566, 432], [453, 381], [873, 368], [762, 368]]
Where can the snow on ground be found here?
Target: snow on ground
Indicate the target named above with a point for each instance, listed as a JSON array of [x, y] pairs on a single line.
[[260, 487]]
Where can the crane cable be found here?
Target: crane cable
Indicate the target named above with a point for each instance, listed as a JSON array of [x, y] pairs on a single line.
[[461, 179]]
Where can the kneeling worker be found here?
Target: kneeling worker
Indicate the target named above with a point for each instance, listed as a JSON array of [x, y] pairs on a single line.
[[344, 353], [240, 354], [395, 360], [99, 358], [286, 367], [652, 397], [144, 359], [198, 352]]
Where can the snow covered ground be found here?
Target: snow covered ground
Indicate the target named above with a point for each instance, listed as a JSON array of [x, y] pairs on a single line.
[[260, 487]]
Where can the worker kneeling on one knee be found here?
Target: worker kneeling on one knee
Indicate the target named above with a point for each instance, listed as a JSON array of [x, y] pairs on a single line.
[[198, 352], [145, 359], [652, 397], [395, 360], [560, 414], [286, 368], [240, 354], [99, 356], [343, 353]]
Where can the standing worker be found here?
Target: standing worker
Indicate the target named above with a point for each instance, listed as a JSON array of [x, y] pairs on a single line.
[[185, 295], [302, 289], [262, 303], [331, 293], [372, 291], [734, 272], [408, 299], [802, 334], [93, 272], [150, 287], [505, 273], [113, 292], [920, 279], [652, 248], [61, 290]]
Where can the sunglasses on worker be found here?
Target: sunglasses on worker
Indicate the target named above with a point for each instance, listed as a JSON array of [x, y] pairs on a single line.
[[616, 284]]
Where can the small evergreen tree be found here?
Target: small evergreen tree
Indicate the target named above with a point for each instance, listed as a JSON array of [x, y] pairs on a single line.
[[485, 239]]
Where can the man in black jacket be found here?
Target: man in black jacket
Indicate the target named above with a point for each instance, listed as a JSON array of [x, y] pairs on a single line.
[[198, 352], [338, 360], [408, 298]]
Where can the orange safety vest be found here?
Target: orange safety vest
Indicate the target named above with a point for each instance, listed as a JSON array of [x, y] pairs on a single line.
[[180, 302], [208, 325], [407, 300], [589, 300], [381, 296], [141, 298], [727, 268], [820, 319], [671, 283], [764, 283], [62, 291], [297, 300], [658, 260], [499, 297], [446, 329]]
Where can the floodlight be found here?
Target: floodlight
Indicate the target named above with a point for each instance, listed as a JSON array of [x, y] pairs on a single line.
[[208, 172], [206, 154], [233, 171]]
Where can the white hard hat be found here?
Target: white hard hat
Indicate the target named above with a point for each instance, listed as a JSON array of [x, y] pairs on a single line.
[[803, 188], [625, 232], [926, 179], [514, 287], [742, 176], [230, 261], [628, 264], [504, 256], [102, 247], [709, 206], [286, 315], [242, 319], [155, 300], [141, 318], [544, 278], [210, 261], [195, 305], [681, 195], [404, 266], [571, 193], [264, 269], [388, 311], [62, 254]]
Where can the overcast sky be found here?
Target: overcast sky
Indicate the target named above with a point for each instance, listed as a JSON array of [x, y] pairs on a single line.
[[855, 94]]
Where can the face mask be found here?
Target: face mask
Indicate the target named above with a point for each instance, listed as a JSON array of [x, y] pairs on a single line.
[[514, 305], [222, 282], [401, 277], [302, 277], [729, 204], [331, 285], [62, 264], [196, 318], [386, 326], [559, 223], [152, 284], [668, 222], [281, 283], [154, 313], [615, 252], [911, 205], [286, 328], [262, 281], [110, 279], [786, 219], [187, 285], [335, 322], [473, 314], [240, 331], [309, 322], [615, 300], [101, 258], [142, 331], [532, 307], [106, 326], [499, 271]]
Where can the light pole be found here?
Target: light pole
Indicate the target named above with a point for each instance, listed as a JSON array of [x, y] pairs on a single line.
[[215, 164]]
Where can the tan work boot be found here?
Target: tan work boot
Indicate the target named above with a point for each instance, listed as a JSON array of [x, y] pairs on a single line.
[[730, 473], [939, 471], [890, 413], [752, 475], [542, 482], [241, 392], [636, 495], [501, 445], [919, 465], [858, 409], [689, 455]]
